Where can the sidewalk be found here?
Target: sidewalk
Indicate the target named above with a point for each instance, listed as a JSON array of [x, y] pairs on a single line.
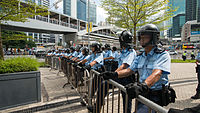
[[56, 99]]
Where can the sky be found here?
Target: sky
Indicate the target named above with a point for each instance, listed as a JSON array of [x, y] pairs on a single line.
[[101, 13]]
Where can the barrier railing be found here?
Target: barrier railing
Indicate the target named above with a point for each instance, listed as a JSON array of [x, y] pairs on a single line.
[[95, 92]]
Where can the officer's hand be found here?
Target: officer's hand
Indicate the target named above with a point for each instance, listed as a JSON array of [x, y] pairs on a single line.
[[74, 64], [88, 67], [79, 64], [135, 89], [109, 75]]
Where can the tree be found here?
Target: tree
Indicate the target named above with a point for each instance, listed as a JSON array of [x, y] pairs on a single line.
[[15, 10], [131, 14], [16, 39]]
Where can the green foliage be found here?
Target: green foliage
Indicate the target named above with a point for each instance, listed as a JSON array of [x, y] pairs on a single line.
[[131, 14], [19, 64], [43, 64], [181, 61], [19, 44], [14, 10]]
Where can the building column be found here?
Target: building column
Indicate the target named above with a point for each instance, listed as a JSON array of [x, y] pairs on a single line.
[[69, 21], [59, 18]]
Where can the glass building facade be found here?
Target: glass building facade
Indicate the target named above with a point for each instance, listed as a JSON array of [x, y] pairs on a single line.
[[92, 12], [67, 7], [81, 9], [178, 22], [180, 4], [191, 10]]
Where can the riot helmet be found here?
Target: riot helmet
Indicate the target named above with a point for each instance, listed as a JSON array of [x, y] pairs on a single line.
[[125, 39], [72, 49], [85, 51], [67, 50], [78, 47], [97, 47], [107, 46], [150, 30]]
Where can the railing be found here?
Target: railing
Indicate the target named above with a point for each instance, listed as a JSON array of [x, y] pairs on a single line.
[[95, 92]]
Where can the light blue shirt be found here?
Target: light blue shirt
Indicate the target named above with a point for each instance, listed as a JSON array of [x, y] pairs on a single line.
[[146, 64], [66, 54], [198, 56], [115, 55], [75, 54], [126, 57], [82, 57], [107, 54], [98, 58]]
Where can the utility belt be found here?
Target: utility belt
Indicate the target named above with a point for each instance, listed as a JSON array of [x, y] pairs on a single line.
[[166, 95], [110, 62], [198, 69]]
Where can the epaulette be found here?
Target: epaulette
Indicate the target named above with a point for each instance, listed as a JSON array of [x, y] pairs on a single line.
[[159, 50], [139, 53]]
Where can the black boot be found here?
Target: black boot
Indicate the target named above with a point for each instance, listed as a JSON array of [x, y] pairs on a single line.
[[196, 96]]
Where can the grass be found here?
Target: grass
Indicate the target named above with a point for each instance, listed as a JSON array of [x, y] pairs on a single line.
[[181, 61]]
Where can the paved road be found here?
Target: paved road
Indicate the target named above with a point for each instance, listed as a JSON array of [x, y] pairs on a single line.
[[182, 78]]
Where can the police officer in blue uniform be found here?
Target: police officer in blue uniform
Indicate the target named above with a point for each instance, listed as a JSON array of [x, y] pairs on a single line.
[[95, 60], [125, 59], [84, 53], [153, 66], [106, 55], [197, 95]]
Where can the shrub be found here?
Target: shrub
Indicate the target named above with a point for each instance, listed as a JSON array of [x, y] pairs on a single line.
[[19, 64]]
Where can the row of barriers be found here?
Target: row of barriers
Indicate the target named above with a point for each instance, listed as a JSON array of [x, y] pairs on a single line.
[[92, 88]]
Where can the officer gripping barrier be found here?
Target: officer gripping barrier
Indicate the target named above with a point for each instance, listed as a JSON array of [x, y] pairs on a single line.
[[92, 89]]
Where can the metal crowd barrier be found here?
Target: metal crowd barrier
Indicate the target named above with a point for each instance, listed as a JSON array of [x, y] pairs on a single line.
[[91, 88]]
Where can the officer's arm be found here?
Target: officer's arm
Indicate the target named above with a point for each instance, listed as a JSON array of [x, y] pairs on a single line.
[[83, 61], [109, 58], [124, 73], [123, 66], [93, 63], [154, 77]]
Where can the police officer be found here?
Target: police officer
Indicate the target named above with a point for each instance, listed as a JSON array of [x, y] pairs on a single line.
[[184, 55], [192, 55], [72, 52], [125, 59], [106, 55], [83, 55], [153, 66], [197, 95], [95, 60], [114, 59]]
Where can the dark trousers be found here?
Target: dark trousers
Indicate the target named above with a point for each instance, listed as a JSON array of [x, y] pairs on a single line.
[[198, 77], [101, 94]]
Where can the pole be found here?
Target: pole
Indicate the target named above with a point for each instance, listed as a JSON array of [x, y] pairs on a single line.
[[89, 24]]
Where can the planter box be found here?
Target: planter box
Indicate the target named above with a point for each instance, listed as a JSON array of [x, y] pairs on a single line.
[[19, 89]]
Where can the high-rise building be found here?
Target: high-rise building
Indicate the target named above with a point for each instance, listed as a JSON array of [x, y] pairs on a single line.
[[43, 2], [178, 22], [191, 10], [81, 9], [92, 11], [67, 7]]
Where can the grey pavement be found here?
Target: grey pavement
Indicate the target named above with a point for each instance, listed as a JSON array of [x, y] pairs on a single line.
[[183, 80]]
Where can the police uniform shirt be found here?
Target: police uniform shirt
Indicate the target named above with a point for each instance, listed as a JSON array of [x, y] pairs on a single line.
[[115, 55], [107, 53], [126, 57], [146, 64], [75, 54], [98, 58], [49, 53], [82, 57], [66, 54], [198, 56]]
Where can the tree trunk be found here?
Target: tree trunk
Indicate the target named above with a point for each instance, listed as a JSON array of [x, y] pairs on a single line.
[[135, 36], [1, 46]]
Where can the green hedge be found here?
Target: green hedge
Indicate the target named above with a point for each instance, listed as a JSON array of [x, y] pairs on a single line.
[[181, 61], [19, 64]]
